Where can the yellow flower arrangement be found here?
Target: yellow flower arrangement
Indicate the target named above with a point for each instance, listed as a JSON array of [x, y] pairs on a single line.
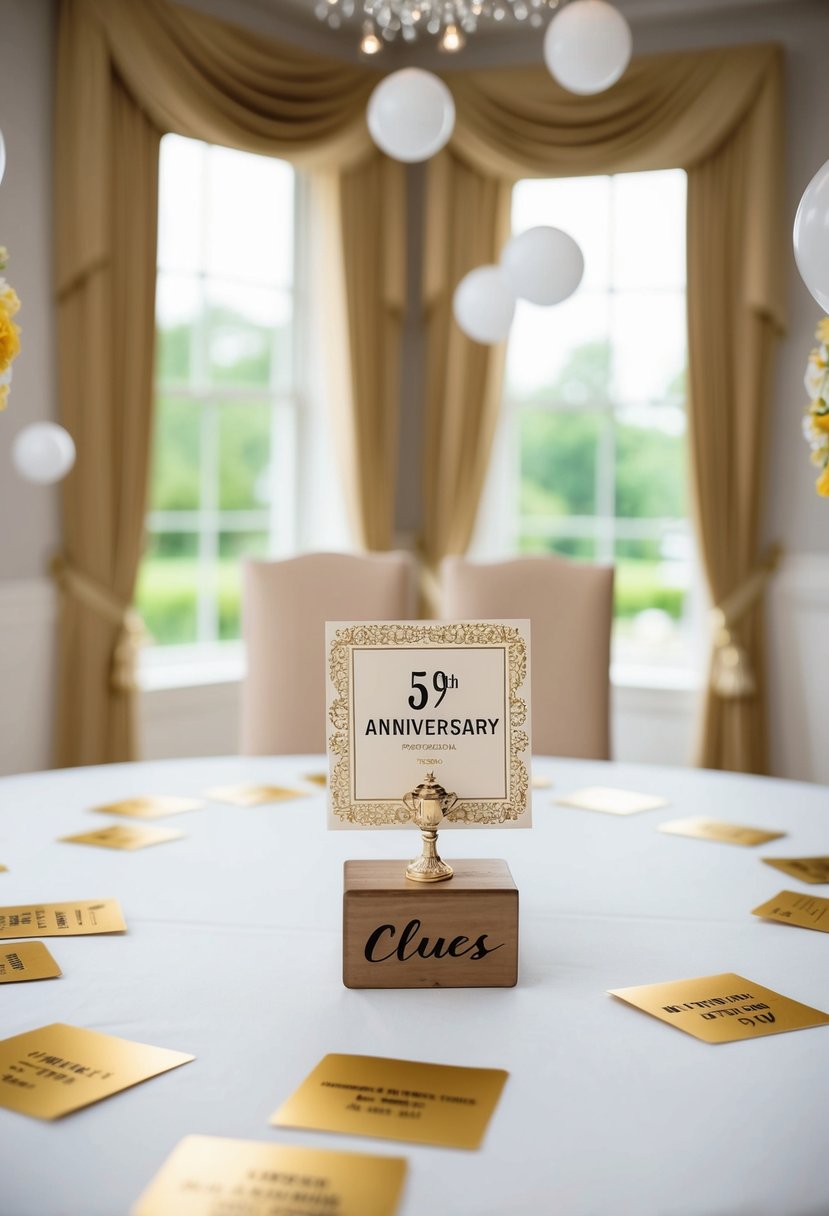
[[816, 419], [9, 331]]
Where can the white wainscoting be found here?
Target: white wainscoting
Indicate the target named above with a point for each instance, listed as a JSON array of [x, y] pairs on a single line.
[[651, 725]]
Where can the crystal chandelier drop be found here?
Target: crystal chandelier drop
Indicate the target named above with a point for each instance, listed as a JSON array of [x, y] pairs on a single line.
[[448, 21]]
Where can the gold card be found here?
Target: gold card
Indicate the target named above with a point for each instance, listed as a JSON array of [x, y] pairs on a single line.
[[206, 1175], [154, 807], [722, 1008], [700, 828], [395, 1100], [26, 961], [612, 801], [792, 908], [56, 1069], [807, 869], [123, 836], [316, 779], [253, 795], [76, 917]]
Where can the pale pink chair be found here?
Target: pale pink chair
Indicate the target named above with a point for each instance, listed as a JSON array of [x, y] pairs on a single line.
[[570, 607], [285, 605]]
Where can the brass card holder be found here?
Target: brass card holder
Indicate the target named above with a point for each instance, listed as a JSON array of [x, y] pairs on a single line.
[[429, 802]]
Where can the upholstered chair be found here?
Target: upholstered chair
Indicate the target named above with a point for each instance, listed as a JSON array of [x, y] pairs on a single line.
[[285, 605], [570, 607]]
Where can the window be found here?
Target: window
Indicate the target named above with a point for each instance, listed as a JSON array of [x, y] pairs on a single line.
[[592, 446], [233, 413]]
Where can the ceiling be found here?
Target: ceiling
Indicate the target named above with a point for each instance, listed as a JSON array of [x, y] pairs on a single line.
[[294, 20]]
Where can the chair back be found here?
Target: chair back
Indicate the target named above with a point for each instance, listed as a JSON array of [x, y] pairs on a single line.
[[285, 605], [570, 607]]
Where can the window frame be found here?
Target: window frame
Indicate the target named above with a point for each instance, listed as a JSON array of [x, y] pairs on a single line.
[[498, 532]]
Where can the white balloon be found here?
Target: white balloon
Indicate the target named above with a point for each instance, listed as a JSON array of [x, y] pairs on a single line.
[[587, 46], [543, 265], [43, 452], [2, 156], [411, 115], [811, 237], [484, 304]]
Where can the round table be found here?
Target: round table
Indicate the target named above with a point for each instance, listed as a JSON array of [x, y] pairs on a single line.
[[233, 953]]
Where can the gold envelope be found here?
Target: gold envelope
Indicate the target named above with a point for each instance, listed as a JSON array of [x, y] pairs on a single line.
[[807, 869], [26, 961], [794, 908], [209, 1174], [152, 807], [700, 828], [612, 801], [722, 1008], [253, 795], [395, 1100], [126, 836], [57, 1069], [71, 919]]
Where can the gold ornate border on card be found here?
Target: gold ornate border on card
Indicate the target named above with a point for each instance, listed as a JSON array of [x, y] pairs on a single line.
[[399, 636]]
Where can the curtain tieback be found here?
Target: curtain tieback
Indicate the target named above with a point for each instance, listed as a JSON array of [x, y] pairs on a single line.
[[99, 599], [732, 675]]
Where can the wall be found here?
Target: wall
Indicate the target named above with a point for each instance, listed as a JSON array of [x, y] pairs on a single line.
[[648, 725], [29, 519]]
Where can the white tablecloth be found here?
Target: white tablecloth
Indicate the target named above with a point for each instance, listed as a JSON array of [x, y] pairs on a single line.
[[233, 953]]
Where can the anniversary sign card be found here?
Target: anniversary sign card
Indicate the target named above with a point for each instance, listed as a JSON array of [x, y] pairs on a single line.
[[429, 724], [210, 1175], [49, 1072], [396, 1100], [407, 699], [722, 1008], [71, 919]]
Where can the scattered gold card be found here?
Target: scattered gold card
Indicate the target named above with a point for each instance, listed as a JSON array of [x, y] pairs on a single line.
[[26, 961], [792, 908], [718, 829], [123, 836], [395, 1100], [807, 869], [722, 1008], [612, 801], [316, 778], [205, 1175], [62, 920], [541, 783], [154, 807], [56, 1069], [253, 795]]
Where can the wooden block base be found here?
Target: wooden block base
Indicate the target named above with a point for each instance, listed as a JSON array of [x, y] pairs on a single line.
[[462, 933]]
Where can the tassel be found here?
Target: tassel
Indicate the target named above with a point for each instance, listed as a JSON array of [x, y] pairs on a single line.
[[731, 675]]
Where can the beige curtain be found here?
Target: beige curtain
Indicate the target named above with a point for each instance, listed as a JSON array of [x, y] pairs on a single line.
[[715, 113], [129, 70]]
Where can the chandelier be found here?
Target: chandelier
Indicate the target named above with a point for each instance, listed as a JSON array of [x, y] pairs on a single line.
[[448, 21]]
